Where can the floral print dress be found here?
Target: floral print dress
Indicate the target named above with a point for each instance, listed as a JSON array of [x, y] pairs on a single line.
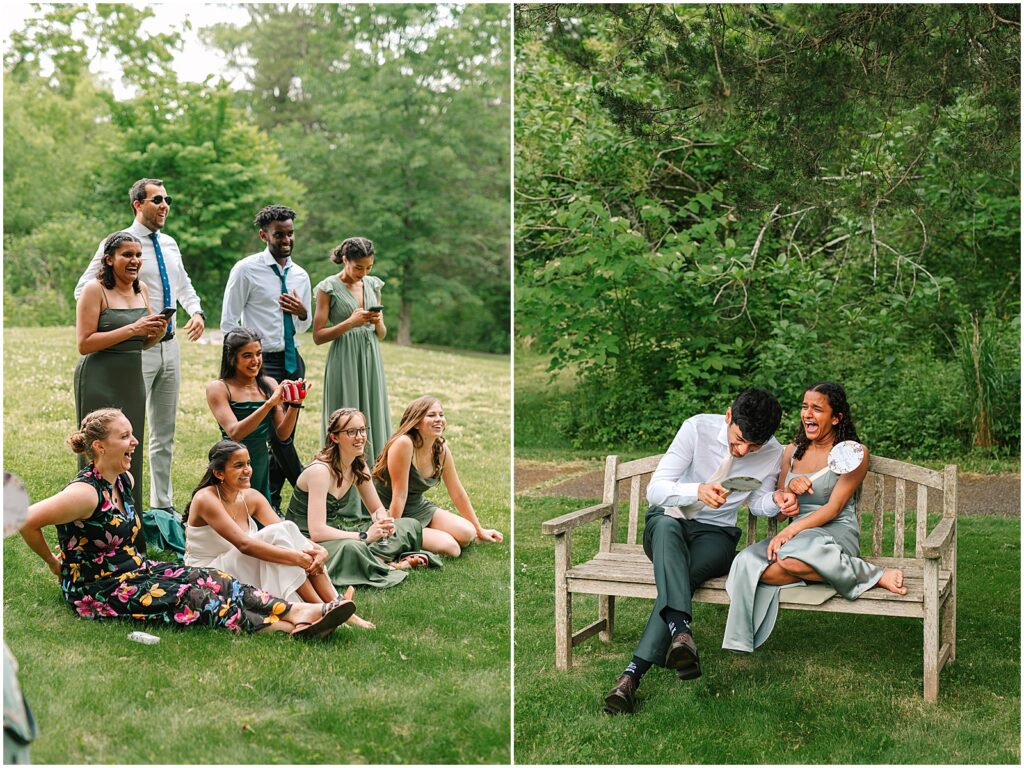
[[103, 575]]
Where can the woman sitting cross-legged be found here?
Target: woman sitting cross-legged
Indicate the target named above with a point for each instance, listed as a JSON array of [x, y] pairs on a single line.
[[413, 461], [335, 504], [822, 541], [221, 532], [103, 575]]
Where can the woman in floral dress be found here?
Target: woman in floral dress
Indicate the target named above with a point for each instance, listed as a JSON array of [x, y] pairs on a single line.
[[103, 575]]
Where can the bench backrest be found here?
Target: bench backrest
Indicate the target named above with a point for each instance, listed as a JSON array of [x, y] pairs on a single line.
[[884, 488]]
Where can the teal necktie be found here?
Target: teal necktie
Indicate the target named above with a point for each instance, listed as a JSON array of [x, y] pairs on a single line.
[[164, 282], [291, 357]]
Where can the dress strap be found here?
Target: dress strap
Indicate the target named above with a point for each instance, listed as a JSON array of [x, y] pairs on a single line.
[[230, 398], [106, 301]]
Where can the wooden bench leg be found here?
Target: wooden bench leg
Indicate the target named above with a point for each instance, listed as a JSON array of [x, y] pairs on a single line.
[[563, 603], [606, 611], [931, 630]]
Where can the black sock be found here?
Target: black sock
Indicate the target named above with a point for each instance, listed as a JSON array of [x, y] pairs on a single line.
[[677, 621], [637, 668]]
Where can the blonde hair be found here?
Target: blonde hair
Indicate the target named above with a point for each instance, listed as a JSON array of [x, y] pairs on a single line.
[[95, 426], [330, 454], [407, 426]]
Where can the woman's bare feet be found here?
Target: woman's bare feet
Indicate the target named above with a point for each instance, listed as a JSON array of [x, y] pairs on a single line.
[[356, 621], [409, 562], [892, 580]]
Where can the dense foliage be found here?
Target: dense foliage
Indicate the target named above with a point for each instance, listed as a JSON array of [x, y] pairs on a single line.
[[388, 122], [709, 197]]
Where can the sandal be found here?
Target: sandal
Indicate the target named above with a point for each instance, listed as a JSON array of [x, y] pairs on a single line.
[[409, 562], [332, 616]]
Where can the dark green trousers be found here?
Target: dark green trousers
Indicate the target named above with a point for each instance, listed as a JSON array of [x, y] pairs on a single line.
[[685, 553]]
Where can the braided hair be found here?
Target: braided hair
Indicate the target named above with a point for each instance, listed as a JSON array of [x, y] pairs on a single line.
[[844, 430], [105, 274], [95, 426], [353, 249]]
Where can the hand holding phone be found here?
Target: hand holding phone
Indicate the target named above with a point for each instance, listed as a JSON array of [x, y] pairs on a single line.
[[375, 309], [167, 312]]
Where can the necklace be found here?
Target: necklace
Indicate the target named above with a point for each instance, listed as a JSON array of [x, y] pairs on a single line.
[[238, 496]]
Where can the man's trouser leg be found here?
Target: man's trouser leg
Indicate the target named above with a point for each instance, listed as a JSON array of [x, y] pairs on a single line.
[[685, 554], [284, 461], [161, 369]]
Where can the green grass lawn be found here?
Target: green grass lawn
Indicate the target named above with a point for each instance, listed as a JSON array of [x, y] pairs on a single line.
[[825, 688], [430, 685]]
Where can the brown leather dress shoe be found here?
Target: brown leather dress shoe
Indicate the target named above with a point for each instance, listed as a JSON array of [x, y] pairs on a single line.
[[621, 700], [682, 656]]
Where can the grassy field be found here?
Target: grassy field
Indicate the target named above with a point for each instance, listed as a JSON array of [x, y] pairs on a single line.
[[430, 685], [825, 688]]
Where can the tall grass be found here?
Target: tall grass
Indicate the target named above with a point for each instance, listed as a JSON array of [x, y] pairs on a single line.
[[429, 685]]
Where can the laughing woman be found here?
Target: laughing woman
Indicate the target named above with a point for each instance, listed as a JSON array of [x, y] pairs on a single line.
[[114, 323], [822, 541], [413, 461], [103, 575]]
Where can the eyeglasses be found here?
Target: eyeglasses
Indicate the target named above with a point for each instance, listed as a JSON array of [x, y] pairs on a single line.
[[361, 432], [158, 199]]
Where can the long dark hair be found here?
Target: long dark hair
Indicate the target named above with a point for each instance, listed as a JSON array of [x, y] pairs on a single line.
[[413, 415], [330, 454], [844, 430], [105, 274], [234, 340], [218, 458]]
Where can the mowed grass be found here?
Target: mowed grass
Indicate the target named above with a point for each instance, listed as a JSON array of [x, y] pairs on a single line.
[[825, 688], [430, 685]]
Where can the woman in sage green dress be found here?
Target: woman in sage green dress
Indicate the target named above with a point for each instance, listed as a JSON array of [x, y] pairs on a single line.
[[335, 505], [114, 323], [414, 460], [821, 543], [350, 316], [248, 404]]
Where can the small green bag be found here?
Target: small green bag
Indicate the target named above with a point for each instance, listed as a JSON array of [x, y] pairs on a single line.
[[163, 530]]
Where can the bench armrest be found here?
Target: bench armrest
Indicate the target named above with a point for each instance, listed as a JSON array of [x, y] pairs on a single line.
[[575, 519], [937, 541]]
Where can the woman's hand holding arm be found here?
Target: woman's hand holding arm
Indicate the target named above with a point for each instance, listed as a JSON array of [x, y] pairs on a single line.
[[460, 499]]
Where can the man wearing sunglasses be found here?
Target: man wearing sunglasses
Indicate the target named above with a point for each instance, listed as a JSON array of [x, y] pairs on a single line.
[[163, 272]]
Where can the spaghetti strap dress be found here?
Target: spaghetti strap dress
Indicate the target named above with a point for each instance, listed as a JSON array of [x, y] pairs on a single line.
[[417, 507], [205, 548], [832, 550], [354, 372], [103, 574], [255, 441], [112, 378]]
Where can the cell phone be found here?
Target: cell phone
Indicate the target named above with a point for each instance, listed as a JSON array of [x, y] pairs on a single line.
[[166, 312], [375, 309]]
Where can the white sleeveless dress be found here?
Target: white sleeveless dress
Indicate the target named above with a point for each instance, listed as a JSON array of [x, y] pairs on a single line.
[[206, 548]]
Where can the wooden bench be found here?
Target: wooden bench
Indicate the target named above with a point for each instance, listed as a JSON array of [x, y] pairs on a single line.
[[623, 570]]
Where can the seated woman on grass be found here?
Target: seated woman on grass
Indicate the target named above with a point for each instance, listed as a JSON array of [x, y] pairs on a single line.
[[221, 532], [414, 460], [103, 575], [335, 504]]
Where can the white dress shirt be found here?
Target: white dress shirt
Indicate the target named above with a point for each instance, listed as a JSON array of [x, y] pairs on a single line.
[[699, 447], [252, 299], [182, 291]]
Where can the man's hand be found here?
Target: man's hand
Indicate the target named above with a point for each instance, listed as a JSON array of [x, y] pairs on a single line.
[[194, 327], [787, 503], [292, 304], [712, 494]]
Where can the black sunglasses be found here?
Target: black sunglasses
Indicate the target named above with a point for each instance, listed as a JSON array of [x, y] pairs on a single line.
[[157, 199]]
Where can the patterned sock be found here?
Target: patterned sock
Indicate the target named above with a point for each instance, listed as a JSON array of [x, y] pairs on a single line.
[[677, 621], [637, 668]]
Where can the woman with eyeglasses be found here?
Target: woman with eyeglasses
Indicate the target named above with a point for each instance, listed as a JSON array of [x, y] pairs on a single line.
[[114, 323], [349, 315], [248, 404], [335, 505], [414, 460]]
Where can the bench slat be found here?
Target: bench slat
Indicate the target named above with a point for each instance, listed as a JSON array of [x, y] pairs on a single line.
[[901, 513]]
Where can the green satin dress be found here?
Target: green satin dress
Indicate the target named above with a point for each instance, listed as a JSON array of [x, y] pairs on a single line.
[[255, 441], [417, 507], [354, 372], [112, 378]]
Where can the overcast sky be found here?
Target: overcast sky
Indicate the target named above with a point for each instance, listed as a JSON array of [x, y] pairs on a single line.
[[194, 63]]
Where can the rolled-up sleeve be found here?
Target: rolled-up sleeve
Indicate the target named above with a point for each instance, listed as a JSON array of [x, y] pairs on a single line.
[[665, 490]]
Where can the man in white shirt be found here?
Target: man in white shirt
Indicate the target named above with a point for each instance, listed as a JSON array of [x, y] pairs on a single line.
[[690, 531], [270, 294], [163, 272]]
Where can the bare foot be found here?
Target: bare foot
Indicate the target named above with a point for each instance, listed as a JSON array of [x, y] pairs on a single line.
[[892, 580], [409, 562], [356, 621], [349, 593]]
